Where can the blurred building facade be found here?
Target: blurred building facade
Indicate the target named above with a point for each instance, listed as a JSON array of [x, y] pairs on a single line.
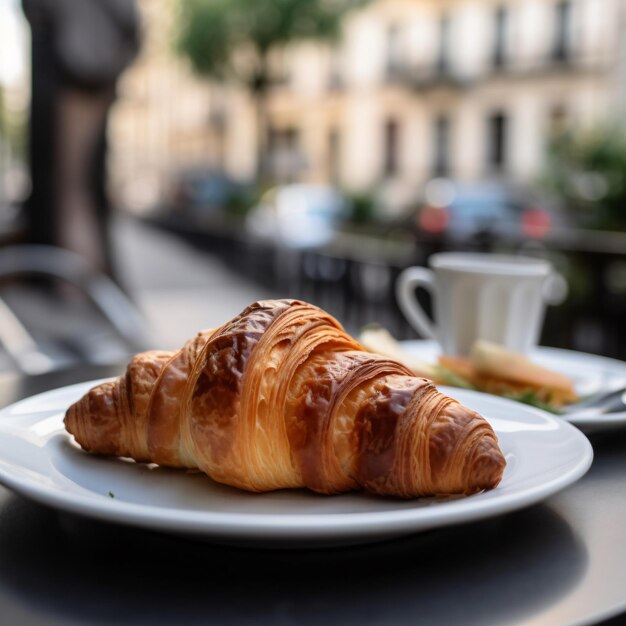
[[416, 89]]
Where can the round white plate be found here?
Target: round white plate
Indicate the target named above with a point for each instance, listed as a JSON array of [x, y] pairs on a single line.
[[38, 459], [590, 373]]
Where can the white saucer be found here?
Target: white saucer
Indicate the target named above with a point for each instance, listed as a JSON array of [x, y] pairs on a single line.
[[39, 460]]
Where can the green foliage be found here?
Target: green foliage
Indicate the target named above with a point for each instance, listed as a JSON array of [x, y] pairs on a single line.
[[242, 200], [588, 173], [363, 207], [12, 129], [231, 39]]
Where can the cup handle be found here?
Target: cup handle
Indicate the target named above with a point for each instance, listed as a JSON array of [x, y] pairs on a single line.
[[408, 280]]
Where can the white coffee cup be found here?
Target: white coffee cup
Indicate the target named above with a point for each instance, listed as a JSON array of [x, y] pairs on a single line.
[[493, 297]]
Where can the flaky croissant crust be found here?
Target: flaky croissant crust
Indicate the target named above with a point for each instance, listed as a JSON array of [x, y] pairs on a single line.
[[281, 396]]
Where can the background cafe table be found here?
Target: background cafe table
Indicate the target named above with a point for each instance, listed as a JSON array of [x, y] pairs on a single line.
[[559, 562]]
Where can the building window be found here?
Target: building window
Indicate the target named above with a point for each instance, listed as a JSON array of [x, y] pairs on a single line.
[[501, 19], [562, 45], [441, 163], [334, 156], [391, 148], [394, 50], [558, 120], [284, 154], [443, 50], [497, 138], [335, 73]]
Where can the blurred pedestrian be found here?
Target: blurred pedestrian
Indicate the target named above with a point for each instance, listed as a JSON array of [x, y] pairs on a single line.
[[79, 50]]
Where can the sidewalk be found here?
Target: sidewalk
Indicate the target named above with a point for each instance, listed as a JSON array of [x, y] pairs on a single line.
[[178, 288]]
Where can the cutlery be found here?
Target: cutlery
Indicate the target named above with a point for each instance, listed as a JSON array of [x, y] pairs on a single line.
[[599, 404]]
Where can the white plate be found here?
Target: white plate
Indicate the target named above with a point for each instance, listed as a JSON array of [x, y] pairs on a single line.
[[590, 374], [39, 460]]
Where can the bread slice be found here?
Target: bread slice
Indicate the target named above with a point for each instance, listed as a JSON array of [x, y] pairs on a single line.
[[379, 340]]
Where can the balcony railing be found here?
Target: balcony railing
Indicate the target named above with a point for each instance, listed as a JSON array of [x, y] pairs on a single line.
[[430, 76]]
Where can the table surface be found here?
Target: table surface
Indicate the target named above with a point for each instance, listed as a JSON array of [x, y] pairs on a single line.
[[559, 562]]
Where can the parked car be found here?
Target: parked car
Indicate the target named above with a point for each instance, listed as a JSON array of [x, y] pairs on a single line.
[[298, 215], [202, 193], [463, 211]]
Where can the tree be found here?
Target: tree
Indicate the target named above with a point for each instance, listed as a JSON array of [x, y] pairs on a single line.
[[587, 171], [232, 40]]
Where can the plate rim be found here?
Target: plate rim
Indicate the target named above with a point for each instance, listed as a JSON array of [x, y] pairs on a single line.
[[289, 527]]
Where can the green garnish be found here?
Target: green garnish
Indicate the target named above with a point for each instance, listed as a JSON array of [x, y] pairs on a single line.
[[531, 398], [450, 378], [111, 494], [528, 396]]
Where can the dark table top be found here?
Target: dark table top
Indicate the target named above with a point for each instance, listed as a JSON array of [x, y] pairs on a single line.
[[559, 562]]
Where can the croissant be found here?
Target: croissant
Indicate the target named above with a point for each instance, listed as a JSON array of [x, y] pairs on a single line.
[[282, 397]]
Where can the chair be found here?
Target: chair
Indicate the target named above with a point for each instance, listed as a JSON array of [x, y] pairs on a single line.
[[36, 351]]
